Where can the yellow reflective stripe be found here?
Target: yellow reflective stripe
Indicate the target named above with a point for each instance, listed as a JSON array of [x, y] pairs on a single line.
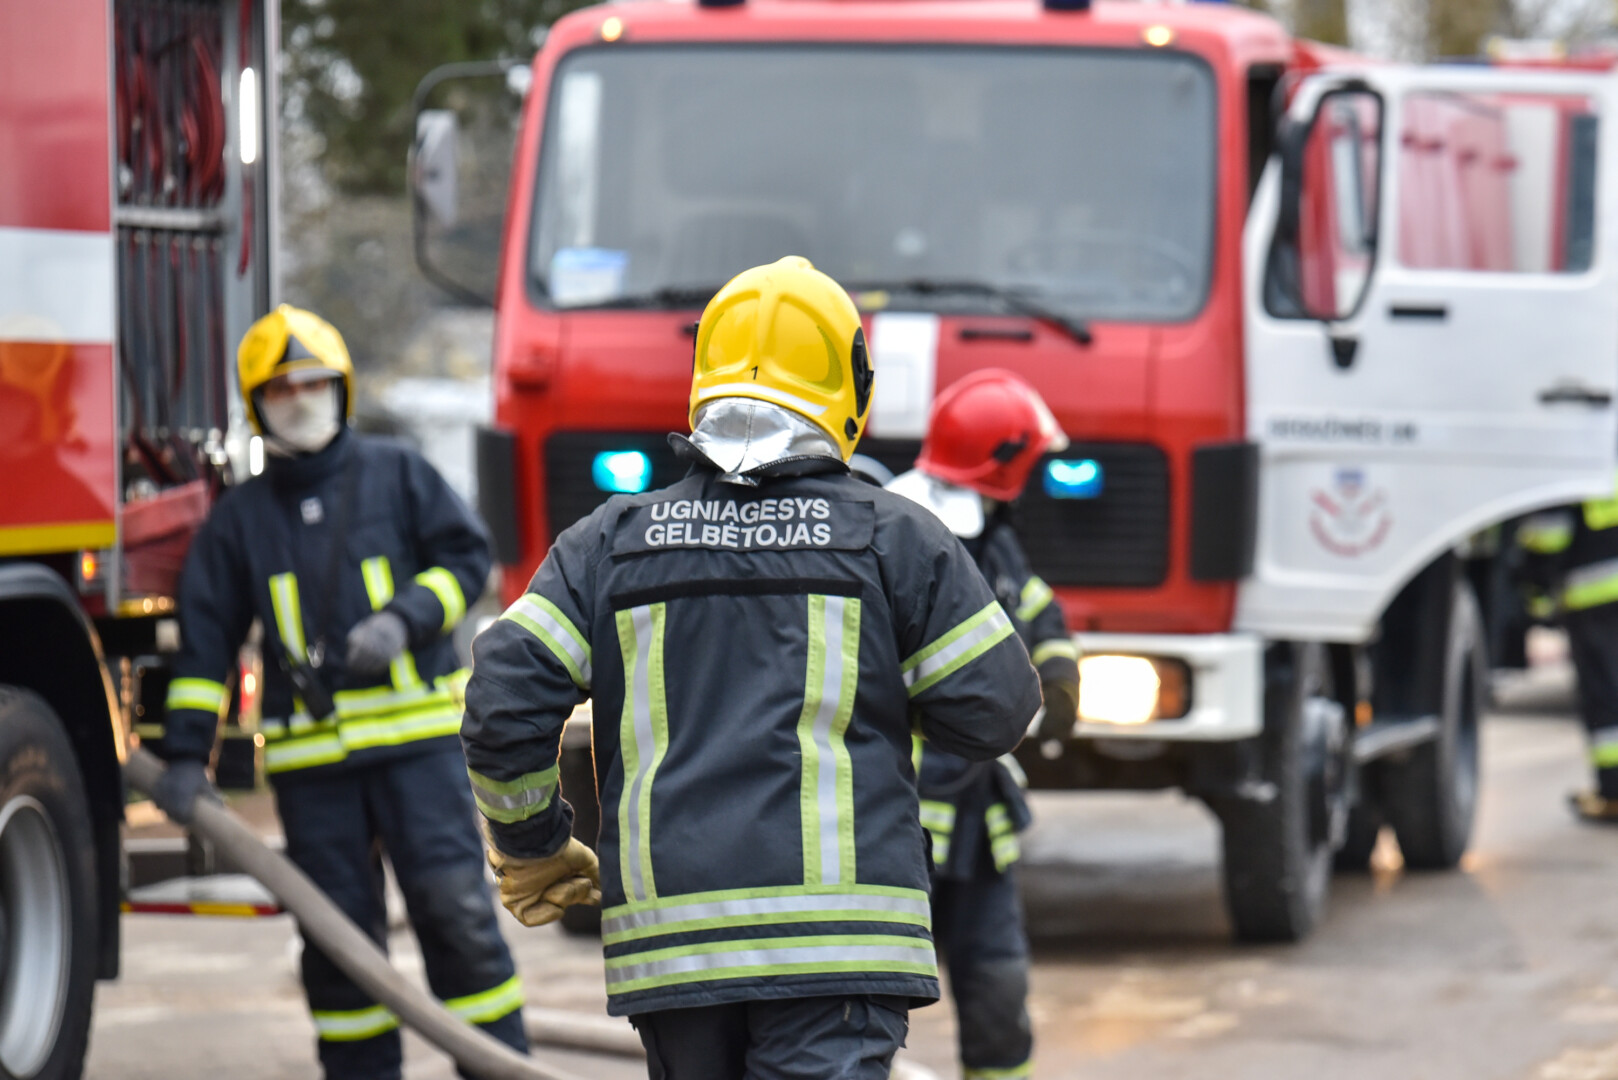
[[1591, 586], [960, 646], [327, 747], [826, 785], [1054, 648], [203, 694], [1604, 747], [490, 1005], [352, 1025], [511, 801], [556, 632], [1601, 514], [150, 731], [378, 575], [643, 739], [1547, 533], [1036, 597], [448, 590], [288, 615], [1013, 1072]]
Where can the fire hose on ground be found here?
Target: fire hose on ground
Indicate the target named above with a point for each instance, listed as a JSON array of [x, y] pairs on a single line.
[[326, 925], [350, 949]]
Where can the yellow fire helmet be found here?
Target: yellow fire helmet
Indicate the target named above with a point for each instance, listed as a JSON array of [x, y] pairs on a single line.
[[290, 340], [788, 334]]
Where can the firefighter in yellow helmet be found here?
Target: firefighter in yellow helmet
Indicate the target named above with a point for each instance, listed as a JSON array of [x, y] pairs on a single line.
[[359, 562], [756, 639]]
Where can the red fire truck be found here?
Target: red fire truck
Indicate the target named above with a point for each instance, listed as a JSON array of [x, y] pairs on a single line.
[[1315, 327], [136, 245]]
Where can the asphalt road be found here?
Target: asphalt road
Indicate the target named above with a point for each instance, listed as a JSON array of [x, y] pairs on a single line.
[[1506, 969]]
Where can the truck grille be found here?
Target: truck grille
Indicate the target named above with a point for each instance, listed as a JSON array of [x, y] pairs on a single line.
[[1119, 539]]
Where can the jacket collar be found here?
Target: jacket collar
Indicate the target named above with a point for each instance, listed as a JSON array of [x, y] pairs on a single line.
[[309, 470]]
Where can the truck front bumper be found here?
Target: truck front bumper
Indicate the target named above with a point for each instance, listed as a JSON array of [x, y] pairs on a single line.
[[1226, 685]]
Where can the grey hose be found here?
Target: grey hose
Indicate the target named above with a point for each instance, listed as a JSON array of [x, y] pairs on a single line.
[[326, 926]]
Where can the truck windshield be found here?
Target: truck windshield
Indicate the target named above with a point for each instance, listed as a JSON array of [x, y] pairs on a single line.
[[1081, 179]]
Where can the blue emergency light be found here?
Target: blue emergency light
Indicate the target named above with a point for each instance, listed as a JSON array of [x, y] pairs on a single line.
[[625, 472], [1082, 479]]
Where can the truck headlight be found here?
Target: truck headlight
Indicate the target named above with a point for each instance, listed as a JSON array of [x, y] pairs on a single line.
[[1128, 690]]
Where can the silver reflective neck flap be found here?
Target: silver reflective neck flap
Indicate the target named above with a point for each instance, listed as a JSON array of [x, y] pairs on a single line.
[[742, 434]]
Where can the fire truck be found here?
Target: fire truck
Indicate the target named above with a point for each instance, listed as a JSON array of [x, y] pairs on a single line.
[[1315, 327], [136, 245]]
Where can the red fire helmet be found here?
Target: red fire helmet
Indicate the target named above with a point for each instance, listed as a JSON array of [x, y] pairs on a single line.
[[987, 431]]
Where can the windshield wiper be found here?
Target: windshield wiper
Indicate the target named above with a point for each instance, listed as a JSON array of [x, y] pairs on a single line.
[[1073, 327], [670, 296]]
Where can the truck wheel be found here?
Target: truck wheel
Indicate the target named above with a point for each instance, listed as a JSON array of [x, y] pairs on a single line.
[[578, 776], [1279, 838], [47, 896], [1431, 796]]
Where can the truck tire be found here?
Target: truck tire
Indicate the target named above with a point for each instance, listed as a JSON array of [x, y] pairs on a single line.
[[1430, 797], [1279, 837], [48, 937], [578, 776]]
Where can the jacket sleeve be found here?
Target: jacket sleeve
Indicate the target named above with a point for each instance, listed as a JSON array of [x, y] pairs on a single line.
[[1050, 646], [1544, 539], [215, 610], [965, 669], [529, 671], [453, 547]]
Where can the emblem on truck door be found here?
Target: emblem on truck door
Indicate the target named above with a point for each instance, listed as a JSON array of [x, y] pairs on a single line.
[[1351, 517]]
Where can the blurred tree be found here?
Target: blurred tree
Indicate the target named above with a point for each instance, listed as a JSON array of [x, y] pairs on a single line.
[[351, 66], [1321, 20]]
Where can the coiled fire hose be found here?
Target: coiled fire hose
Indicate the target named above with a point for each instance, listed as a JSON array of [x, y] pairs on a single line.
[[368, 966], [349, 948]]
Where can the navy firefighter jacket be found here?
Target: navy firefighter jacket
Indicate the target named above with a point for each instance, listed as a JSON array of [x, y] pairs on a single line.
[[756, 657], [411, 547], [973, 810]]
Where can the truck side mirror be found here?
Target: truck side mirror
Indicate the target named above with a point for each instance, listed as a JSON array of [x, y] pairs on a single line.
[[434, 160], [459, 171], [1326, 232]]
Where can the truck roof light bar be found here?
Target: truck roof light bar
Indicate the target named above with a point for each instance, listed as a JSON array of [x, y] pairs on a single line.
[[1066, 5]]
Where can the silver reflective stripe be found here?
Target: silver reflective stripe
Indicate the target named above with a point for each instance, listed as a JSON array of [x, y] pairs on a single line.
[[985, 630], [786, 957], [633, 812], [831, 693], [1607, 736], [545, 621], [855, 904], [288, 614]]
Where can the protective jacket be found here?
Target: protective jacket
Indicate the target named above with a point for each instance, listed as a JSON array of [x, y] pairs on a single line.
[[965, 805], [411, 547], [756, 656], [1575, 552]]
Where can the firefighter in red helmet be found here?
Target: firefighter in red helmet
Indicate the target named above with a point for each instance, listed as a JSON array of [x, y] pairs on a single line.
[[984, 437]]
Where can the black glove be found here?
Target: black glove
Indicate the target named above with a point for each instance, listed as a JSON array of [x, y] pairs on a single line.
[[182, 785], [376, 643], [1061, 710]]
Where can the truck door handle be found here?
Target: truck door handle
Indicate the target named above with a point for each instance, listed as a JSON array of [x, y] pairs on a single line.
[[1571, 393], [1422, 312]]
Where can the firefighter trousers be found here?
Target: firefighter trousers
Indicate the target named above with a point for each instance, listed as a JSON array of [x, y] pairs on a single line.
[[418, 811], [813, 1038], [978, 927], [1592, 636]]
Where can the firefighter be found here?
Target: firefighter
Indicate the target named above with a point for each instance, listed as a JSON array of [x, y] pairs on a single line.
[[984, 437], [358, 560], [756, 639], [1575, 550]]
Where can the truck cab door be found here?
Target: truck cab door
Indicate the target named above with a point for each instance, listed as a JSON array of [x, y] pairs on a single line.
[[1432, 327]]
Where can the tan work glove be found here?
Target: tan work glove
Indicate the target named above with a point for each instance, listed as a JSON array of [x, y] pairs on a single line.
[[536, 890]]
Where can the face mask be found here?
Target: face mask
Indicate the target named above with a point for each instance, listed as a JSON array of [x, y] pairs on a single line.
[[304, 423]]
